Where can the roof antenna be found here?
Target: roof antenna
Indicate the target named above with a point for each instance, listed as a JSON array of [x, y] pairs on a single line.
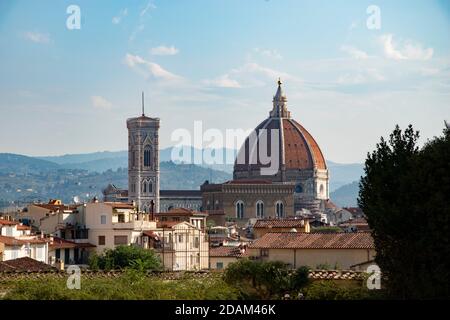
[[143, 114]]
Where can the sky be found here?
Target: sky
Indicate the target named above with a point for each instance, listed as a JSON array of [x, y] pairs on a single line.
[[351, 70]]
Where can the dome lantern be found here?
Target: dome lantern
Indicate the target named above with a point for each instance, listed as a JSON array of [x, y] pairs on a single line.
[[280, 103]]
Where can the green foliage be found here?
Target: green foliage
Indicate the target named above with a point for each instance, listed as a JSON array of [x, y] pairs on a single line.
[[126, 257], [404, 195], [300, 278], [132, 285], [264, 280], [331, 290], [327, 229]]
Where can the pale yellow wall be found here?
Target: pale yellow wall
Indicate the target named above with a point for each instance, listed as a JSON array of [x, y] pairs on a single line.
[[35, 214], [343, 258], [225, 260]]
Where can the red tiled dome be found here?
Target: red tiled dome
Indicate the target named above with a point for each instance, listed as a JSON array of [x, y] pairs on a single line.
[[297, 148]]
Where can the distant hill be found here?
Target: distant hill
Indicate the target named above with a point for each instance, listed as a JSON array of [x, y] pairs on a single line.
[[346, 196], [69, 159], [340, 174], [84, 175], [27, 179], [102, 161], [343, 174], [18, 164]]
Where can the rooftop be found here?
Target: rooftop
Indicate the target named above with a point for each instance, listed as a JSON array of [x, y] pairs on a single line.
[[300, 240], [4, 222], [25, 264], [227, 251], [279, 223]]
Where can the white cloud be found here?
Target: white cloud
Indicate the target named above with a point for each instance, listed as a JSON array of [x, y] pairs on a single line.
[[117, 19], [100, 102], [354, 52], [164, 51], [223, 82], [138, 29], [363, 76], [149, 6], [407, 50], [273, 54], [250, 74], [148, 68], [37, 37]]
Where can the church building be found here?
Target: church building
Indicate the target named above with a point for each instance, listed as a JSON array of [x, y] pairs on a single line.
[[300, 180]]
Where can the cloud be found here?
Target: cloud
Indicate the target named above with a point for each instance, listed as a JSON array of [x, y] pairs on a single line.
[[361, 77], [250, 74], [354, 52], [117, 19], [138, 29], [149, 69], [407, 50], [37, 37], [149, 6], [223, 82], [100, 103], [273, 54], [164, 51]]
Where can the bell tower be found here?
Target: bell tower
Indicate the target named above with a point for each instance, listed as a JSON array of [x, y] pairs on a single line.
[[143, 161]]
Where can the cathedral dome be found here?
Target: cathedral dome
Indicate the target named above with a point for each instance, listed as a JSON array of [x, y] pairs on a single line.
[[297, 150]]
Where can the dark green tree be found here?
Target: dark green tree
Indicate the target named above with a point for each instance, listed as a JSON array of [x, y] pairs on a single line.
[[122, 257], [404, 194]]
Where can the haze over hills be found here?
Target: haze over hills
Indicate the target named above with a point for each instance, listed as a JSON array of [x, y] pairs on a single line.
[[27, 179], [85, 175], [340, 174]]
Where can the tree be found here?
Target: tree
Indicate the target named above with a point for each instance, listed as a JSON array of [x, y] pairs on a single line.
[[404, 195], [300, 278], [258, 279], [126, 257]]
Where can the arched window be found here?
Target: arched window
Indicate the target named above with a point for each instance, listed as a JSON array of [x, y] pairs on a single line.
[[239, 209], [279, 209], [133, 159], [144, 187], [260, 209], [150, 187], [298, 188], [147, 156], [321, 189]]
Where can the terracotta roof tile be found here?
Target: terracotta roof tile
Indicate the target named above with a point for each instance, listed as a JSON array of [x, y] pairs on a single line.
[[279, 223], [299, 240], [120, 205], [227, 251], [11, 241], [8, 222], [25, 264]]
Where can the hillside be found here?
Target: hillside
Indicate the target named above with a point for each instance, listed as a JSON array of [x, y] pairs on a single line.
[[18, 164], [340, 174], [26, 179], [346, 195], [84, 175]]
